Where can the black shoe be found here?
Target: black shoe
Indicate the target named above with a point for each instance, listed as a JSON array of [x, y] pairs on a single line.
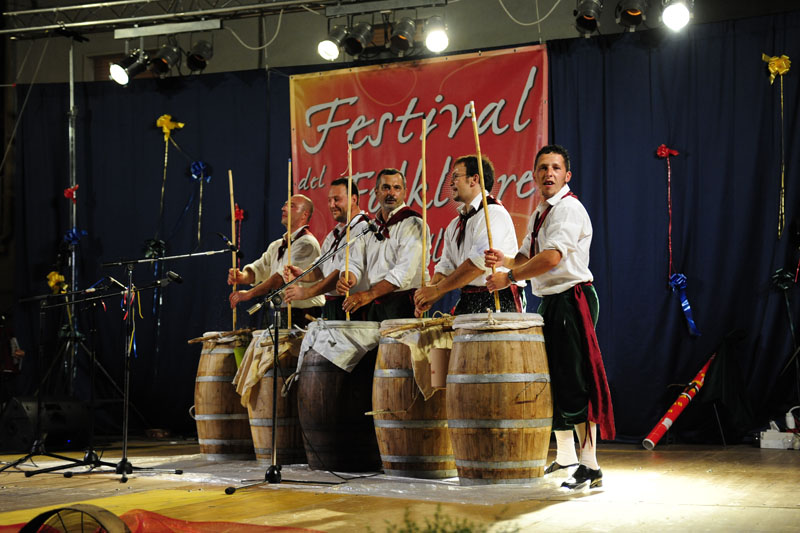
[[582, 476], [554, 467]]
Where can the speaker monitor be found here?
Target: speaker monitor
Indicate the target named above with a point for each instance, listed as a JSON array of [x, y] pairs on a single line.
[[64, 424]]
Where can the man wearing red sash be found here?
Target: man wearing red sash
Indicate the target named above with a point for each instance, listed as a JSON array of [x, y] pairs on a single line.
[[466, 239], [555, 257], [266, 273], [392, 258], [326, 275]]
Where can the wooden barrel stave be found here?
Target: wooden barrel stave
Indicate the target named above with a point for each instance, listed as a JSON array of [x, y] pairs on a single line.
[[289, 440]]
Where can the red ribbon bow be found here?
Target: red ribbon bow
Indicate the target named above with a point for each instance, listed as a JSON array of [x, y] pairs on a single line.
[[71, 193], [238, 213], [663, 151]]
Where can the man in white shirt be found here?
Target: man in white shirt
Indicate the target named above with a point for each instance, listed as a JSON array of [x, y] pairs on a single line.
[[392, 260], [555, 257], [266, 272], [462, 265], [326, 274]]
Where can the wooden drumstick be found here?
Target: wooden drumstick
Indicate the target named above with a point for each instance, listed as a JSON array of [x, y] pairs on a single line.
[[483, 192], [424, 205], [349, 199], [289, 240], [233, 235]]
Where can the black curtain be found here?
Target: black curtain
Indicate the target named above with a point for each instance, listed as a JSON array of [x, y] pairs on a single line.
[[614, 100]]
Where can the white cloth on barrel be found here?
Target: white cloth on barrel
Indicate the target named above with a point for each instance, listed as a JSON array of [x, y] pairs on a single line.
[[421, 338], [258, 359], [342, 346]]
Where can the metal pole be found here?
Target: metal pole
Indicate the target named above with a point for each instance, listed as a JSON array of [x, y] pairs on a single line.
[[73, 215]]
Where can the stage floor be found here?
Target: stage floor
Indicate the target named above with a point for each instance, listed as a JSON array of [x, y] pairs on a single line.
[[673, 488]]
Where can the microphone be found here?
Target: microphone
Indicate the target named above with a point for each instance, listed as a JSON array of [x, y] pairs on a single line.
[[112, 280], [255, 308], [232, 247], [172, 276], [373, 227]]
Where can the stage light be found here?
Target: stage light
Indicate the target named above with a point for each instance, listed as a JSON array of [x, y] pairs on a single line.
[[587, 14], [198, 56], [676, 14], [436, 38], [358, 38], [630, 13], [165, 59], [127, 68], [403, 36], [329, 48]]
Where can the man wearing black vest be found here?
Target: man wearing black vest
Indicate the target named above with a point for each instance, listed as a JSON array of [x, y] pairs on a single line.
[[392, 260], [555, 257], [462, 265]]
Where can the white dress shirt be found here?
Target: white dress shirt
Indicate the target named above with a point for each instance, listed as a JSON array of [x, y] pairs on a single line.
[[476, 240], [397, 259], [357, 226], [305, 250], [567, 229]]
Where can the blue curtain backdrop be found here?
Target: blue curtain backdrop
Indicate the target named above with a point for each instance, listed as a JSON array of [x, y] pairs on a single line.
[[614, 100]]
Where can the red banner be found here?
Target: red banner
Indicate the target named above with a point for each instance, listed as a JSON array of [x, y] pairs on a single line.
[[379, 109]]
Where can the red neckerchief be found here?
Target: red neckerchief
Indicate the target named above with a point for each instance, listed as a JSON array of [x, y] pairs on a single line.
[[539, 222], [338, 236], [285, 244], [461, 226], [404, 213]]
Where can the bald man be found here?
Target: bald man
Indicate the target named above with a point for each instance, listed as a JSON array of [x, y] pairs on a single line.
[[266, 272]]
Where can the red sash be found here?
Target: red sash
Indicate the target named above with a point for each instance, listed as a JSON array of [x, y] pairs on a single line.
[[601, 411]]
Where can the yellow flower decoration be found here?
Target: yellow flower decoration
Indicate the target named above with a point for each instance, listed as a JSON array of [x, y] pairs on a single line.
[[777, 65], [167, 125], [56, 282]]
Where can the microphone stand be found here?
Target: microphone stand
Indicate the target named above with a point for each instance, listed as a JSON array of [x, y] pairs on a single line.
[[275, 299], [124, 466]]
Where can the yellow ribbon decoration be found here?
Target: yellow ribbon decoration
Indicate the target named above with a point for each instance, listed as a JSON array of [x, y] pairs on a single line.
[[778, 66], [167, 125], [56, 282]]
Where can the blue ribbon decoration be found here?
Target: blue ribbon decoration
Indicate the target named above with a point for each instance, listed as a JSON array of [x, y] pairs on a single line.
[[678, 284], [198, 170], [74, 235]]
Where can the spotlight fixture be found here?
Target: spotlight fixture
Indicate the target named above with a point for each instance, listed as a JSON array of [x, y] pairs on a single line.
[[630, 13], [329, 48], [436, 39], [403, 36], [587, 14], [676, 13], [129, 67], [358, 38], [165, 59], [198, 56]]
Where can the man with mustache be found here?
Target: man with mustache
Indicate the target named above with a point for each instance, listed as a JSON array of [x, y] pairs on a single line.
[[465, 241], [327, 274], [266, 272], [392, 258], [555, 257]]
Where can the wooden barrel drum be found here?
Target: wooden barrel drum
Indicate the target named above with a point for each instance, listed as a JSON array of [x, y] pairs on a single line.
[[499, 403], [223, 429], [332, 404], [289, 440], [412, 433]]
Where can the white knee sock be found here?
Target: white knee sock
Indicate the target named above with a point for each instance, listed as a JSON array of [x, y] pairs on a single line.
[[565, 448], [588, 445]]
